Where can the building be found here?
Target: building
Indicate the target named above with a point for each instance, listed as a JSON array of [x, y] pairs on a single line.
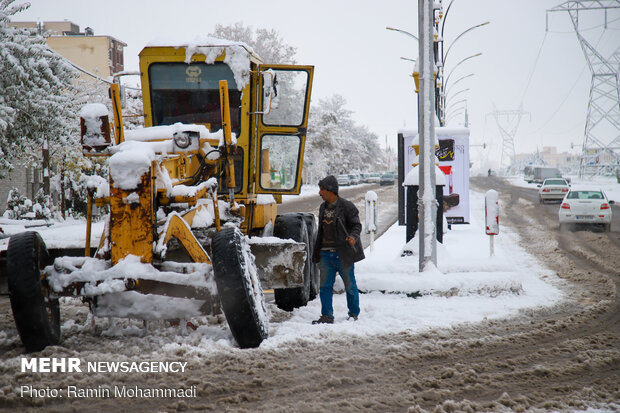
[[550, 156], [99, 55], [28, 181]]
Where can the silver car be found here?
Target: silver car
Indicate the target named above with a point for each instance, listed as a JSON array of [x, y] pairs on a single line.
[[553, 189], [343, 180], [586, 206]]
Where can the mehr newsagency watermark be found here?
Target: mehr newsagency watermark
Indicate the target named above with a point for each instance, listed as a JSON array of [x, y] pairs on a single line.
[[77, 366]]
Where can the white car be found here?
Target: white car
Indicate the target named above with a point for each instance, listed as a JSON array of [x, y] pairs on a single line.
[[553, 189], [585, 206], [344, 180], [374, 177]]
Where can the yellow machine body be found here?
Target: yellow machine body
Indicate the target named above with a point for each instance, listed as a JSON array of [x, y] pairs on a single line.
[[262, 144]]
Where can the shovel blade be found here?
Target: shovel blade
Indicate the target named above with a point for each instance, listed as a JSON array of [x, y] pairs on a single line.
[[280, 263]]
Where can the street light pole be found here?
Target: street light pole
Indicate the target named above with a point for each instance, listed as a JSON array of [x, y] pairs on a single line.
[[457, 81], [458, 64], [445, 56], [404, 32], [426, 131], [457, 93], [452, 115], [441, 105], [454, 104]]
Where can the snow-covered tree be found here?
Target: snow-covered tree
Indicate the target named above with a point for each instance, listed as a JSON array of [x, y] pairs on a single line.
[[266, 43], [42, 207], [17, 205], [36, 102], [336, 144]]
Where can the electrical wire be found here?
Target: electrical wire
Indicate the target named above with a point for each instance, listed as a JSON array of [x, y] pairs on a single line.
[[529, 80], [590, 28], [94, 76], [557, 110]]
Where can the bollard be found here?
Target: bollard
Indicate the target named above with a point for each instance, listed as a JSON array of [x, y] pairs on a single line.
[[371, 216], [491, 213]]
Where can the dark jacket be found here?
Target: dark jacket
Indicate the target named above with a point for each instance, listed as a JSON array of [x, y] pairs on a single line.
[[347, 215]]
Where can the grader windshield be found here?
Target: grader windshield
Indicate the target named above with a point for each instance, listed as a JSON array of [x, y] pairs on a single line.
[[190, 94]]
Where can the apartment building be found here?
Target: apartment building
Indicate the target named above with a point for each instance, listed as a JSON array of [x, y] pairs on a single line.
[[98, 54]]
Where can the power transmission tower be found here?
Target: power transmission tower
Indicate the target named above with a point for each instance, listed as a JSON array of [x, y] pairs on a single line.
[[507, 122], [601, 143]]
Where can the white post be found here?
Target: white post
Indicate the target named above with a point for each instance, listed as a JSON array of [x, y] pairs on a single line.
[[371, 217], [491, 213], [372, 241]]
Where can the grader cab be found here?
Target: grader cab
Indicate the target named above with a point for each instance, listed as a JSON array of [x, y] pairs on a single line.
[[192, 227]]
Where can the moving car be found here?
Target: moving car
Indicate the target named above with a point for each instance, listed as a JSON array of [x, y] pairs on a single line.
[[585, 206], [355, 179], [374, 177], [344, 180], [387, 179], [553, 189]]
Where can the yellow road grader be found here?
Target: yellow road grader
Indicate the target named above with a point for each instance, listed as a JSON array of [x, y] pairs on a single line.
[[192, 227]]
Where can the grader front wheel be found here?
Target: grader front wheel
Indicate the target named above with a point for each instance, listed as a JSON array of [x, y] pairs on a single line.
[[311, 226], [37, 316], [239, 288]]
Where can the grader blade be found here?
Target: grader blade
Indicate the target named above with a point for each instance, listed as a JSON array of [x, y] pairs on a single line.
[[280, 263]]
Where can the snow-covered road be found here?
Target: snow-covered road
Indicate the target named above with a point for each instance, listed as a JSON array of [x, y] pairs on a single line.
[[478, 332]]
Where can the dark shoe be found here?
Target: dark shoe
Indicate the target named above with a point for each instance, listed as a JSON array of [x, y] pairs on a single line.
[[351, 316], [324, 319]]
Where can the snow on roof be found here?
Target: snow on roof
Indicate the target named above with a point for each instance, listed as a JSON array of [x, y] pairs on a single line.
[[206, 41], [154, 133], [237, 53]]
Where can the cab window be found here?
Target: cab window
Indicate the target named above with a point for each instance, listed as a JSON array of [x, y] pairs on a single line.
[[288, 100], [189, 93], [279, 162]]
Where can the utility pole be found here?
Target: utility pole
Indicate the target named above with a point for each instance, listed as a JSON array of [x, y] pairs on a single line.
[[507, 122], [46, 167], [426, 129], [601, 142]]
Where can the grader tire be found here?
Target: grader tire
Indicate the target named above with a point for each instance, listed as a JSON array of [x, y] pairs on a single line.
[[240, 294], [37, 317], [311, 226], [293, 226]]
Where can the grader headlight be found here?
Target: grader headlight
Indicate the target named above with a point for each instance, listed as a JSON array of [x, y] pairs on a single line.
[[186, 141]]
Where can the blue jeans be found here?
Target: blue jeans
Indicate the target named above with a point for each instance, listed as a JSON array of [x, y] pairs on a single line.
[[330, 265]]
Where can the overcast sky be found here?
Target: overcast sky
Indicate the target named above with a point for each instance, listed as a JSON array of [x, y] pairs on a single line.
[[356, 57]]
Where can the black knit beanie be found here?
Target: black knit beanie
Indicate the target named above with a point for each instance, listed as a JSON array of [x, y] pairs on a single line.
[[329, 183]]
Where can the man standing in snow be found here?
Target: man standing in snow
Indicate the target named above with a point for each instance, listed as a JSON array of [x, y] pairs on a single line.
[[338, 247]]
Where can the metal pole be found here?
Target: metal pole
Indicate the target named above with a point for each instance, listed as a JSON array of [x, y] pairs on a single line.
[[426, 130]]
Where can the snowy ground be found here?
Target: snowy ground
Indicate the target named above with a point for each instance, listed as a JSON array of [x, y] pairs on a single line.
[[468, 285]]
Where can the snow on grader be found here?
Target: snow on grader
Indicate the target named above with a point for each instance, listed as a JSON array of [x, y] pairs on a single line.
[[192, 227]]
